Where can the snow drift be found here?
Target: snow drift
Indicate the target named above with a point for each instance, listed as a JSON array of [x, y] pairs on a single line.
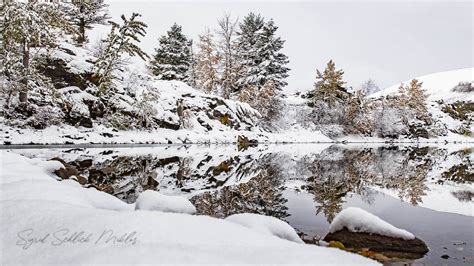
[[266, 225], [154, 201]]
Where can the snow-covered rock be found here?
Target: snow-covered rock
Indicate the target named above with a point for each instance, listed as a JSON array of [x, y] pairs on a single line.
[[266, 225], [154, 201], [357, 220]]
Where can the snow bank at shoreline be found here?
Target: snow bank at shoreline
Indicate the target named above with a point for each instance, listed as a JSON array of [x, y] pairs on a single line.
[[45, 221], [102, 135], [360, 221], [55, 135]]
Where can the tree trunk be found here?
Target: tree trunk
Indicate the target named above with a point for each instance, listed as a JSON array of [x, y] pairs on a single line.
[[82, 32], [82, 26], [23, 95]]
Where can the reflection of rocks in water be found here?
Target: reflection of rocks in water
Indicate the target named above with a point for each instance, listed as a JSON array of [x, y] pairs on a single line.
[[261, 194], [127, 176], [192, 174], [463, 195], [329, 176], [462, 172]]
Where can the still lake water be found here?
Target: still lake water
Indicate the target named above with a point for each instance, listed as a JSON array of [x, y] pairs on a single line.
[[426, 190]]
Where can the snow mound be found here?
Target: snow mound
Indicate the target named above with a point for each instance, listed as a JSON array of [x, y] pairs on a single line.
[[266, 224], [48, 166], [439, 85], [154, 201], [358, 220]]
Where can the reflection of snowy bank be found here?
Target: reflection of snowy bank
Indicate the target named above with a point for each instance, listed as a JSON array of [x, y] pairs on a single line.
[[446, 197], [32, 199]]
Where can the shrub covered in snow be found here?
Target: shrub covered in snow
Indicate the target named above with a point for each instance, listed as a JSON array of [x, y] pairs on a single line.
[[464, 86]]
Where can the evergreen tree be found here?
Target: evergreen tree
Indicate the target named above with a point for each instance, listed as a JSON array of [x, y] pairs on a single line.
[[263, 66], [329, 85], [412, 99], [417, 99], [207, 60], [173, 57], [273, 63], [248, 51], [27, 26], [122, 39], [83, 14]]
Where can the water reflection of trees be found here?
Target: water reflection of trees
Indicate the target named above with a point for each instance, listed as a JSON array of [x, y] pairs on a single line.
[[261, 194], [338, 171], [253, 182]]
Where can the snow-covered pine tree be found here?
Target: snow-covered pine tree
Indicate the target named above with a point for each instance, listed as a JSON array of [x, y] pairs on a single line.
[[173, 56], [226, 45], [27, 26], [329, 86], [84, 14], [122, 39], [249, 33], [272, 67], [207, 61], [263, 66]]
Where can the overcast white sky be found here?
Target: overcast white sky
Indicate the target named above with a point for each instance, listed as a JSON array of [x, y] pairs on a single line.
[[389, 42]]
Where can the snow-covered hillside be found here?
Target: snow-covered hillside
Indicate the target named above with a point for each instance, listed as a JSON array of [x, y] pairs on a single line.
[[142, 109], [450, 102], [439, 86]]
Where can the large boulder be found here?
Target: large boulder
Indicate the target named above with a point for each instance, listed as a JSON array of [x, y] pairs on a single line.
[[358, 229], [389, 246]]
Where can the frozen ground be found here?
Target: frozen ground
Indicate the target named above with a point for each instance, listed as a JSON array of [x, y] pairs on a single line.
[[45, 221]]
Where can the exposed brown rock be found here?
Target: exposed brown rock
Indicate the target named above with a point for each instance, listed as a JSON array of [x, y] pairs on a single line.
[[414, 248]]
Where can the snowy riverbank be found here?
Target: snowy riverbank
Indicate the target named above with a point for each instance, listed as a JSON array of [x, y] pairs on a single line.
[[102, 135], [46, 221]]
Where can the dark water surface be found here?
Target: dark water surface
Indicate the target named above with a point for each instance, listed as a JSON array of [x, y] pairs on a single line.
[[425, 190]]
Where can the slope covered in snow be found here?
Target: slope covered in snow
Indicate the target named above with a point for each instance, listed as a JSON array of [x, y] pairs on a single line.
[[439, 86], [450, 103], [139, 109]]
